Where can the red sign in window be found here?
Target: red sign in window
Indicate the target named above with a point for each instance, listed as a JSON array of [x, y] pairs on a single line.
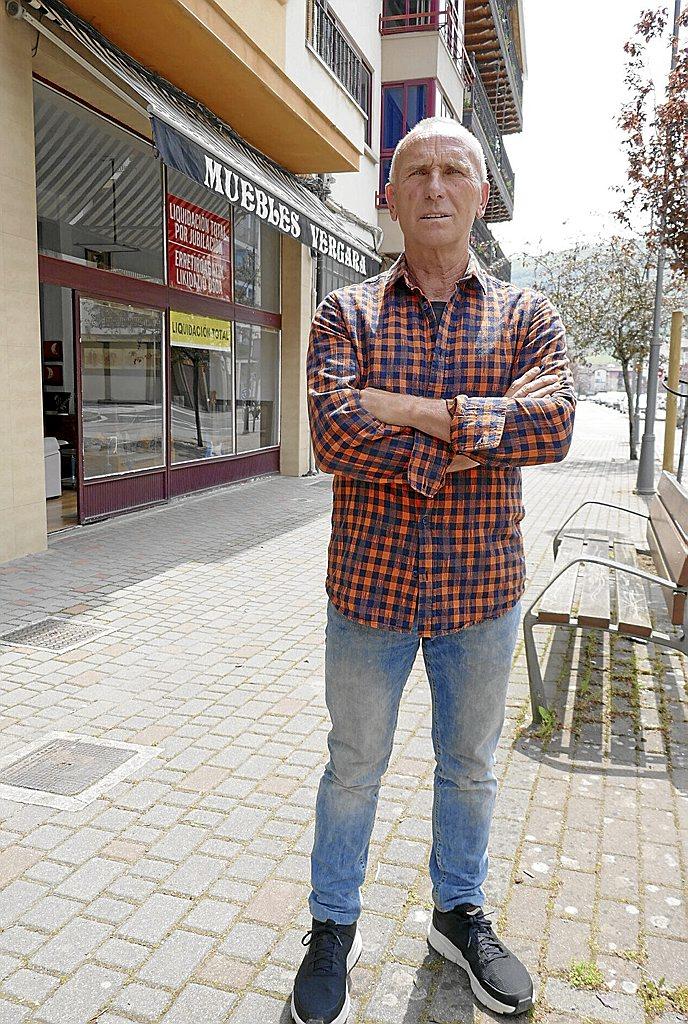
[[198, 250]]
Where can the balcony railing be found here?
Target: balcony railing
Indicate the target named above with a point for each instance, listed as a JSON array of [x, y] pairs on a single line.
[[329, 42], [502, 10], [489, 251], [489, 34], [479, 117], [425, 16]]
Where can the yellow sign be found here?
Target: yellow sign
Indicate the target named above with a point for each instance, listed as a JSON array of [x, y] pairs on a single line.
[[192, 331]]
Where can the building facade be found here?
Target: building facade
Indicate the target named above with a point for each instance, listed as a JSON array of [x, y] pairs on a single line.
[[183, 182]]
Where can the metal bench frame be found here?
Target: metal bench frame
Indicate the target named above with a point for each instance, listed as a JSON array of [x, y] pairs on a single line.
[[537, 690]]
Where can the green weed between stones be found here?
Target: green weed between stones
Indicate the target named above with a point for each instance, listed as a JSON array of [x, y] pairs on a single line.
[[658, 999], [585, 974]]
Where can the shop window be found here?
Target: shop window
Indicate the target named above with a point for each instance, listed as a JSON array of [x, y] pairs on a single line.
[[199, 238], [99, 190], [202, 387], [257, 387], [256, 262], [121, 381], [404, 104], [333, 275]]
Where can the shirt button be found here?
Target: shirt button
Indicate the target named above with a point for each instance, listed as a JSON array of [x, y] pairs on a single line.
[[423, 521]]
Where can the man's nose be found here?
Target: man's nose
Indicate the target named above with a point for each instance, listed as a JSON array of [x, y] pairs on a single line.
[[434, 184]]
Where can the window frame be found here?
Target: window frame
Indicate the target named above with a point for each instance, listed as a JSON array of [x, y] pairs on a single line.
[[391, 24], [430, 106]]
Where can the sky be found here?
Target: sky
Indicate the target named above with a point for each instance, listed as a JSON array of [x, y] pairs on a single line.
[[569, 154]]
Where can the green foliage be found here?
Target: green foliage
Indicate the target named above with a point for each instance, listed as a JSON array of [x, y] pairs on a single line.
[[585, 974]]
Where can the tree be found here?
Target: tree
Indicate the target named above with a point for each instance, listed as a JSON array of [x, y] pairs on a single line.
[[605, 296], [655, 139]]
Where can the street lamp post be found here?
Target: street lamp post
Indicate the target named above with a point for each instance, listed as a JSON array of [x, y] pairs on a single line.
[[646, 467]]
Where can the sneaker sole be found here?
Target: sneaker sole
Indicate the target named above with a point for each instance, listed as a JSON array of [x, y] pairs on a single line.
[[351, 961], [441, 944]]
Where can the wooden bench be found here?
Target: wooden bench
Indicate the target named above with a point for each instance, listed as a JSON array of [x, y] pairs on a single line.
[[598, 584]]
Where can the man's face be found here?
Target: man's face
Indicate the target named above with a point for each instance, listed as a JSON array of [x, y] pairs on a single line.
[[437, 193]]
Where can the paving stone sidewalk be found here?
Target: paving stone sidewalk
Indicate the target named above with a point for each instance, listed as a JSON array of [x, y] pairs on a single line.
[[178, 895]]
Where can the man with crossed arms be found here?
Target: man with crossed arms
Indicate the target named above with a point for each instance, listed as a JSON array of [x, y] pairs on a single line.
[[429, 386]]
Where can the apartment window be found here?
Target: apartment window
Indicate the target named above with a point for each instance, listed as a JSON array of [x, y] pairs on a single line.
[[408, 15], [444, 107], [331, 43], [404, 104]]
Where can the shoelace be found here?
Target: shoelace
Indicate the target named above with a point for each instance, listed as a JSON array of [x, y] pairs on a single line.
[[489, 946], [323, 942]]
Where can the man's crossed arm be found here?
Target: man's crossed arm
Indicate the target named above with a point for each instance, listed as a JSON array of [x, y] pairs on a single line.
[[431, 416], [369, 434]]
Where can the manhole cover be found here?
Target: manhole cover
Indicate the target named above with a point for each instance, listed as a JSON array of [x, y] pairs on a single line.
[[65, 769], [52, 634]]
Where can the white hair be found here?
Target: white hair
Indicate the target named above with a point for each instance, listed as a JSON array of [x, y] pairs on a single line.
[[447, 126]]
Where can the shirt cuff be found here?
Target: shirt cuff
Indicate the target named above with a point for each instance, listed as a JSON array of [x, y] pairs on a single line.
[[478, 424], [428, 464]]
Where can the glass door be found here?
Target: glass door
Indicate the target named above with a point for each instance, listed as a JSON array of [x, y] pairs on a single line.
[[122, 392]]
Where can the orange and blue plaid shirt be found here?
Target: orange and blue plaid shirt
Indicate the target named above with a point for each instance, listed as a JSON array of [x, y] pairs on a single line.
[[412, 546]]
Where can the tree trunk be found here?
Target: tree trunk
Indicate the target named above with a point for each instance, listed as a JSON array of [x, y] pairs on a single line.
[[631, 408]]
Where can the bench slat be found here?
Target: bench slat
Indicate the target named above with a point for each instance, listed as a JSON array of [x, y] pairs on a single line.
[[556, 603], [675, 498], [676, 603], [671, 540], [631, 602], [594, 601]]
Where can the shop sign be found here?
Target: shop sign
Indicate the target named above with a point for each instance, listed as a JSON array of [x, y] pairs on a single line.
[[198, 250], [191, 331], [187, 156]]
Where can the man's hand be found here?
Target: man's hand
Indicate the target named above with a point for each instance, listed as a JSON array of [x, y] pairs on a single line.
[[534, 384], [461, 462]]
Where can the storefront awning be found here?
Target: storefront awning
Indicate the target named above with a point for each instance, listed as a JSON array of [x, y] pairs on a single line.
[[191, 139]]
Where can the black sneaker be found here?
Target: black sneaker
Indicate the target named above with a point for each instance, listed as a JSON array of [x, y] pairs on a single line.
[[498, 978], [320, 993]]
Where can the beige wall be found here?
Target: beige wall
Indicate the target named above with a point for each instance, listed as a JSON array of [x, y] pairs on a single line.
[[22, 486], [262, 22], [296, 321]]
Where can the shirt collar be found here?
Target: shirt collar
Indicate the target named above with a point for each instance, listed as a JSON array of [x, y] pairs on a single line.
[[399, 272]]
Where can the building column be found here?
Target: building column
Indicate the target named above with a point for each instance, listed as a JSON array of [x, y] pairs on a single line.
[[22, 474], [296, 322]]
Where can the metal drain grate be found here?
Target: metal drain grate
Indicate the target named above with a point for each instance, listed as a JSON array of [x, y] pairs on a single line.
[[52, 634], [64, 767], [68, 770]]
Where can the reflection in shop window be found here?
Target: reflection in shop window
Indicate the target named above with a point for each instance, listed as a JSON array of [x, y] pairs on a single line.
[[257, 387], [99, 190], [202, 387], [121, 379], [256, 262]]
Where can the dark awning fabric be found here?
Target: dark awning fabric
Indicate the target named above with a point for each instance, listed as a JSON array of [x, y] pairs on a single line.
[[190, 138]]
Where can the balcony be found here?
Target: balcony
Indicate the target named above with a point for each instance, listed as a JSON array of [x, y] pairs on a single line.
[[490, 30], [425, 16], [326, 38], [479, 117], [489, 252]]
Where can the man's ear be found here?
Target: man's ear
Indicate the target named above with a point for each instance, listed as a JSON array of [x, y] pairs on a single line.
[[391, 200], [484, 198]]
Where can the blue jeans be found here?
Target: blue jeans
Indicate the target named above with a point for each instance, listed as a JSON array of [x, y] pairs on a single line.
[[365, 673]]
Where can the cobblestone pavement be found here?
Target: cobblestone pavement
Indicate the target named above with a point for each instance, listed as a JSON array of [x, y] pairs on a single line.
[[178, 895]]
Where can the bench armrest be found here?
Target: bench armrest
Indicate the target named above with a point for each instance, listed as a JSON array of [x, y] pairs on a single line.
[[620, 508], [619, 567]]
